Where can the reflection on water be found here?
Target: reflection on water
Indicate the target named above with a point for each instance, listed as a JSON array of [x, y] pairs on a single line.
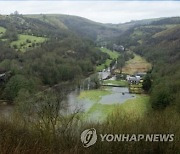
[[74, 103], [118, 96]]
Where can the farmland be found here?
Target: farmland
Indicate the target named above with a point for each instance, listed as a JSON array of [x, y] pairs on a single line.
[[137, 64], [26, 42]]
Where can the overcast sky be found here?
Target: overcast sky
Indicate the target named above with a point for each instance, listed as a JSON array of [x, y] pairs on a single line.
[[100, 11]]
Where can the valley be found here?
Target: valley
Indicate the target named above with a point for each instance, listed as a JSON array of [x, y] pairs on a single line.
[[62, 74]]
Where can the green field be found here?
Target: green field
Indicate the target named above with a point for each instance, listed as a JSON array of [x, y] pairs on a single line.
[[94, 95], [103, 66], [122, 83], [112, 54], [134, 108], [26, 42], [137, 106], [2, 31]]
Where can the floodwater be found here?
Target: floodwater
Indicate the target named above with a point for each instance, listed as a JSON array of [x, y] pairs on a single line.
[[74, 103], [118, 95]]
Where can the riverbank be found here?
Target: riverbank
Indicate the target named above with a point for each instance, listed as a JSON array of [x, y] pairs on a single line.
[[107, 101]]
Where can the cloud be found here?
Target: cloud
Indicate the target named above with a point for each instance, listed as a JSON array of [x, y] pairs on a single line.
[[100, 11]]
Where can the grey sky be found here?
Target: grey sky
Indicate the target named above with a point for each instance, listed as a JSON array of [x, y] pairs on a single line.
[[100, 11]]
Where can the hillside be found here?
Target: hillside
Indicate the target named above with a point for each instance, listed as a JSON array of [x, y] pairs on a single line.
[[159, 43], [59, 26], [50, 84], [42, 51]]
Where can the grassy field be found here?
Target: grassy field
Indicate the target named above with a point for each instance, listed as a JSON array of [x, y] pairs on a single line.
[[103, 66], [112, 54], [2, 31], [122, 83], [137, 106], [25, 42], [94, 95], [137, 64]]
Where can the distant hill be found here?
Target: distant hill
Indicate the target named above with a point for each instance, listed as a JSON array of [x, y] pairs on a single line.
[[80, 26], [60, 26]]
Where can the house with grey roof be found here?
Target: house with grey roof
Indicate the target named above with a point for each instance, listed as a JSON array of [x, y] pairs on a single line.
[[133, 79], [141, 74]]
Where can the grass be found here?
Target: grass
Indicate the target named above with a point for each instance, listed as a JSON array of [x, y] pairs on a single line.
[[2, 31], [17, 137], [122, 83], [137, 106], [112, 54], [22, 43], [99, 112], [137, 64], [94, 95], [104, 65]]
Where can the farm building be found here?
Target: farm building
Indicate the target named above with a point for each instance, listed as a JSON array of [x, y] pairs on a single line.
[[133, 79], [141, 74]]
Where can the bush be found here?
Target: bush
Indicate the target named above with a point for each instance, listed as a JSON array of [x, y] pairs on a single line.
[[28, 41], [161, 96], [147, 83], [15, 84]]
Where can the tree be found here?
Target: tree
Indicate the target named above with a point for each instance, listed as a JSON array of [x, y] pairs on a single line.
[[16, 13], [11, 33], [161, 96], [44, 110], [120, 63], [147, 83], [15, 84]]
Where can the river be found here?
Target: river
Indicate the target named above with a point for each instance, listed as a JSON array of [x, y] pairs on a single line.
[[117, 95]]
